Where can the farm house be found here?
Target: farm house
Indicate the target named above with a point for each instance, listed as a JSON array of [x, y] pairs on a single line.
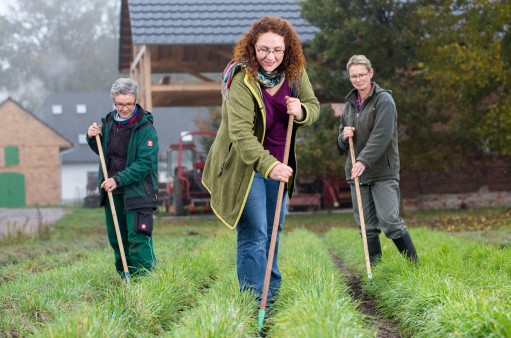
[[29, 159]]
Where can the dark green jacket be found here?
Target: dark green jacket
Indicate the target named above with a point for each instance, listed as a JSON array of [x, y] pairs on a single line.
[[376, 138], [140, 177], [237, 152]]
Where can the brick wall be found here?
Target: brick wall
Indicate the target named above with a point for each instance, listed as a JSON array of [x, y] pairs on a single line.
[[484, 182], [39, 153]]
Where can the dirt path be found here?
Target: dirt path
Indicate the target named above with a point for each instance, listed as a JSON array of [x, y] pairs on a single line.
[[387, 328]]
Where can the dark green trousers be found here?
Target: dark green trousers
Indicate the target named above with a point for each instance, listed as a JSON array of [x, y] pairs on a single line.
[[138, 248]]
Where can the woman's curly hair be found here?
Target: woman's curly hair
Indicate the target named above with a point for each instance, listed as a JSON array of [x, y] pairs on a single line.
[[293, 60]]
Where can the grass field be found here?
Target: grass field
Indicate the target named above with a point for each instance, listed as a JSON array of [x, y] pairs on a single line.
[[63, 283]]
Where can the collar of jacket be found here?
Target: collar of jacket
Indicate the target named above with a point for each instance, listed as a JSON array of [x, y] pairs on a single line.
[[255, 89], [143, 117], [352, 95]]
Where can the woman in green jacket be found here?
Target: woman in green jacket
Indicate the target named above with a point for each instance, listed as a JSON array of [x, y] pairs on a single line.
[[264, 84], [130, 145]]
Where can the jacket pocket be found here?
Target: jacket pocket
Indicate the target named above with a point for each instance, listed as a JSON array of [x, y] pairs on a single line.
[[228, 160], [143, 222]]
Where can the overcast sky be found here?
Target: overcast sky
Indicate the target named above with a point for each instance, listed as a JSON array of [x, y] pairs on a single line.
[[3, 5]]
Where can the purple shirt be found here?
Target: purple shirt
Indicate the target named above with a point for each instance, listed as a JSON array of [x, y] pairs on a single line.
[[276, 121]]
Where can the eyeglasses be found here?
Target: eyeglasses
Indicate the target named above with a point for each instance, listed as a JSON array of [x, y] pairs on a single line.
[[266, 51], [120, 106], [359, 76]]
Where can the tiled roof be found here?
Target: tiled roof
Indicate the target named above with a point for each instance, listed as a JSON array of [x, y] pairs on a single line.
[[66, 142], [169, 122], [207, 22]]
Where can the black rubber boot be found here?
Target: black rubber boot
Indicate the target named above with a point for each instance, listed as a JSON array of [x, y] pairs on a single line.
[[405, 246], [374, 248]]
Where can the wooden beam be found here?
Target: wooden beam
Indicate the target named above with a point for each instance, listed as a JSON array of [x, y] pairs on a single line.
[[138, 57], [197, 75], [187, 94], [188, 87], [223, 52], [171, 65], [147, 79]]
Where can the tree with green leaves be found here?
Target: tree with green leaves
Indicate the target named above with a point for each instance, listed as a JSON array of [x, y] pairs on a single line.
[[316, 152], [467, 58], [389, 34], [58, 45], [385, 31], [452, 95]]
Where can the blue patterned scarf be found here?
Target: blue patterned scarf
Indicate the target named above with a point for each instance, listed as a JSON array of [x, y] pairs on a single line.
[[122, 121]]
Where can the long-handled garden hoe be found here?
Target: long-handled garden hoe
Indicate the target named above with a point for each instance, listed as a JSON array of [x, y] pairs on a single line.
[[276, 219], [114, 213], [361, 214]]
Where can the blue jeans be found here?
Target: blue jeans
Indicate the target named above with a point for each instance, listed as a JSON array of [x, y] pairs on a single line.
[[254, 235]]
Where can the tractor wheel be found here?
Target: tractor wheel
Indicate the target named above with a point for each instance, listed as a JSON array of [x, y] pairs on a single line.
[[178, 197]]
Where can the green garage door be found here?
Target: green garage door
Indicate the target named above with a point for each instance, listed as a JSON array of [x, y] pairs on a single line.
[[12, 190]]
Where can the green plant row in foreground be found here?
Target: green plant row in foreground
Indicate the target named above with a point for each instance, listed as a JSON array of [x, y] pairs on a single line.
[[314, 299], [459, 289], [37, 298], [193, 293]]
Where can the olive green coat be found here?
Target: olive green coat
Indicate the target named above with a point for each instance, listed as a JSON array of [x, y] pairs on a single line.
[[237, 152]]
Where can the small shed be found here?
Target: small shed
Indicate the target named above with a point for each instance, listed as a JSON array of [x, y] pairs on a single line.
[[29, 159], [195, 37]]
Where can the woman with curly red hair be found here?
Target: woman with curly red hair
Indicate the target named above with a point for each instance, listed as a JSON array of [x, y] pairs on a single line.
[[262, 86]]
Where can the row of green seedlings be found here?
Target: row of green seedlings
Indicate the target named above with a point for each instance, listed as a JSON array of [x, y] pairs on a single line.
[[195, 294], [314, 299], [460, 288], [60, 292], [164, 303]]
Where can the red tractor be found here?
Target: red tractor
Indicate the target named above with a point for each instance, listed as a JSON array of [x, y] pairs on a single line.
[[185, 164]]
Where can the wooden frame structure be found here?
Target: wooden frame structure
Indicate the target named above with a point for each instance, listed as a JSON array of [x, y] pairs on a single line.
[[162, 40], [151, 66]]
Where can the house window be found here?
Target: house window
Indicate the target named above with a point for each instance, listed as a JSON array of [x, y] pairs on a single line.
[[56, 109], [12, 156], [81, 108], [82, 139]]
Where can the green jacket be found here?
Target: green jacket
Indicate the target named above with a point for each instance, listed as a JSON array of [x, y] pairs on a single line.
[[376, 139], [140, 177], [237, 152]]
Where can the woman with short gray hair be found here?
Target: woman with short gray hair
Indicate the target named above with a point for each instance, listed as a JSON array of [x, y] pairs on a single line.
[[124, 86], [130, 144]]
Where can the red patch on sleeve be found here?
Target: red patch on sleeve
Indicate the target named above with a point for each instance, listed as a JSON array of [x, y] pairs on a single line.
[[149, 143]]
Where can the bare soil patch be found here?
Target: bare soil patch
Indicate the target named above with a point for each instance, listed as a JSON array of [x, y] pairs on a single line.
[[387, 328]]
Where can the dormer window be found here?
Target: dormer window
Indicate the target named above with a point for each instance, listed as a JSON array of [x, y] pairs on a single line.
[[82, 139], [56, 109], [81, 108]]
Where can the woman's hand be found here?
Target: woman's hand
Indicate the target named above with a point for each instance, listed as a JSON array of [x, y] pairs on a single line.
[[281, 172], [294, 107], [357, 170], [94, 130], [109, 185], [348, 132]]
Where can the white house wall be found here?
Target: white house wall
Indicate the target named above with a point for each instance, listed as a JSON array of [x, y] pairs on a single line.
[[74, 182]]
